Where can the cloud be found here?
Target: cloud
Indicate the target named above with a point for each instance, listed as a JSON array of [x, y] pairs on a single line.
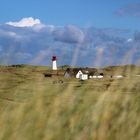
[[69, 34], [129, 40], [132, 9], [72, 45], [25, 22], [137, 37], [7, 33]]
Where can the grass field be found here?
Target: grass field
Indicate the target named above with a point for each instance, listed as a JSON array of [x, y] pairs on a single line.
[[33, 107]]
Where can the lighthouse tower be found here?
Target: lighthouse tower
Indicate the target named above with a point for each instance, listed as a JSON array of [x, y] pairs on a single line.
[[54, 65]]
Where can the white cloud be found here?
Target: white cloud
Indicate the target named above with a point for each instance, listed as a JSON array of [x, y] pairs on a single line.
[[51, 28], [130, 40], [38, 27], [25, 22]]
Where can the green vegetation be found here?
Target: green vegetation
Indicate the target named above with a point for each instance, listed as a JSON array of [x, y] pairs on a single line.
[[34, 107]]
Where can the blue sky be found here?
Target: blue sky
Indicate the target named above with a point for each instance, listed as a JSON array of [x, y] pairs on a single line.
[[79, 32], [84, 13]]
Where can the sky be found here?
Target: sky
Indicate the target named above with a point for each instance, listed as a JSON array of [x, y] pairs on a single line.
[[84, 13], [79, 32]]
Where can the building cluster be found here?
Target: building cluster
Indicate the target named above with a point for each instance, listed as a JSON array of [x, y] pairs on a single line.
[[83, 73]]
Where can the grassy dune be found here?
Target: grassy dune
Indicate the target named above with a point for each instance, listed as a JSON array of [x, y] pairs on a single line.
[[33, 107]]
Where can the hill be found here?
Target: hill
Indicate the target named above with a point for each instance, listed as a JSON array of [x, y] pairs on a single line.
[[35, 107]]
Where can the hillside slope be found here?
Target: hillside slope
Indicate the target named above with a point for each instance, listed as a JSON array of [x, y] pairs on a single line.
[[39, 108]]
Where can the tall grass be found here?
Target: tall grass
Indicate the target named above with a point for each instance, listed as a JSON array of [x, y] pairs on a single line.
[[35, 108]]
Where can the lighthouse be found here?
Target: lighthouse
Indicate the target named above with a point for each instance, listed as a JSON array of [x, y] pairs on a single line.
[[54, 65]]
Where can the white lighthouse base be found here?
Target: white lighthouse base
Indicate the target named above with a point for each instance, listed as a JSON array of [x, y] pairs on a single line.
[[54, 65]]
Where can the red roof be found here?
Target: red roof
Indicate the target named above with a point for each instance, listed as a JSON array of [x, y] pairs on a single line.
[[54, 58]]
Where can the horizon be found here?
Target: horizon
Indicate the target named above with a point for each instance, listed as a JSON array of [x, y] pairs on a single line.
[[70, 66]]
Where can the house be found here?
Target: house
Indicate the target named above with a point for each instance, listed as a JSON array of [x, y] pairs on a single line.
[[80, 73], [117, 76], [69, 73], [96, 75], [100, 76], [83, 75]]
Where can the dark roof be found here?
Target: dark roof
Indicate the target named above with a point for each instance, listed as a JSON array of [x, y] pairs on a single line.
[[74, 71]]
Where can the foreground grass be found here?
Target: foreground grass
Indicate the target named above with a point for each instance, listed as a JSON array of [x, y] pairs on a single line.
[[34, 107]]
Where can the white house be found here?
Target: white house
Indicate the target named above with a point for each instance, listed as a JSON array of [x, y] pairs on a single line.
[[81, 75], [78, 75], [84, 76], [117, 76], [96, 77], [100, 76]]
